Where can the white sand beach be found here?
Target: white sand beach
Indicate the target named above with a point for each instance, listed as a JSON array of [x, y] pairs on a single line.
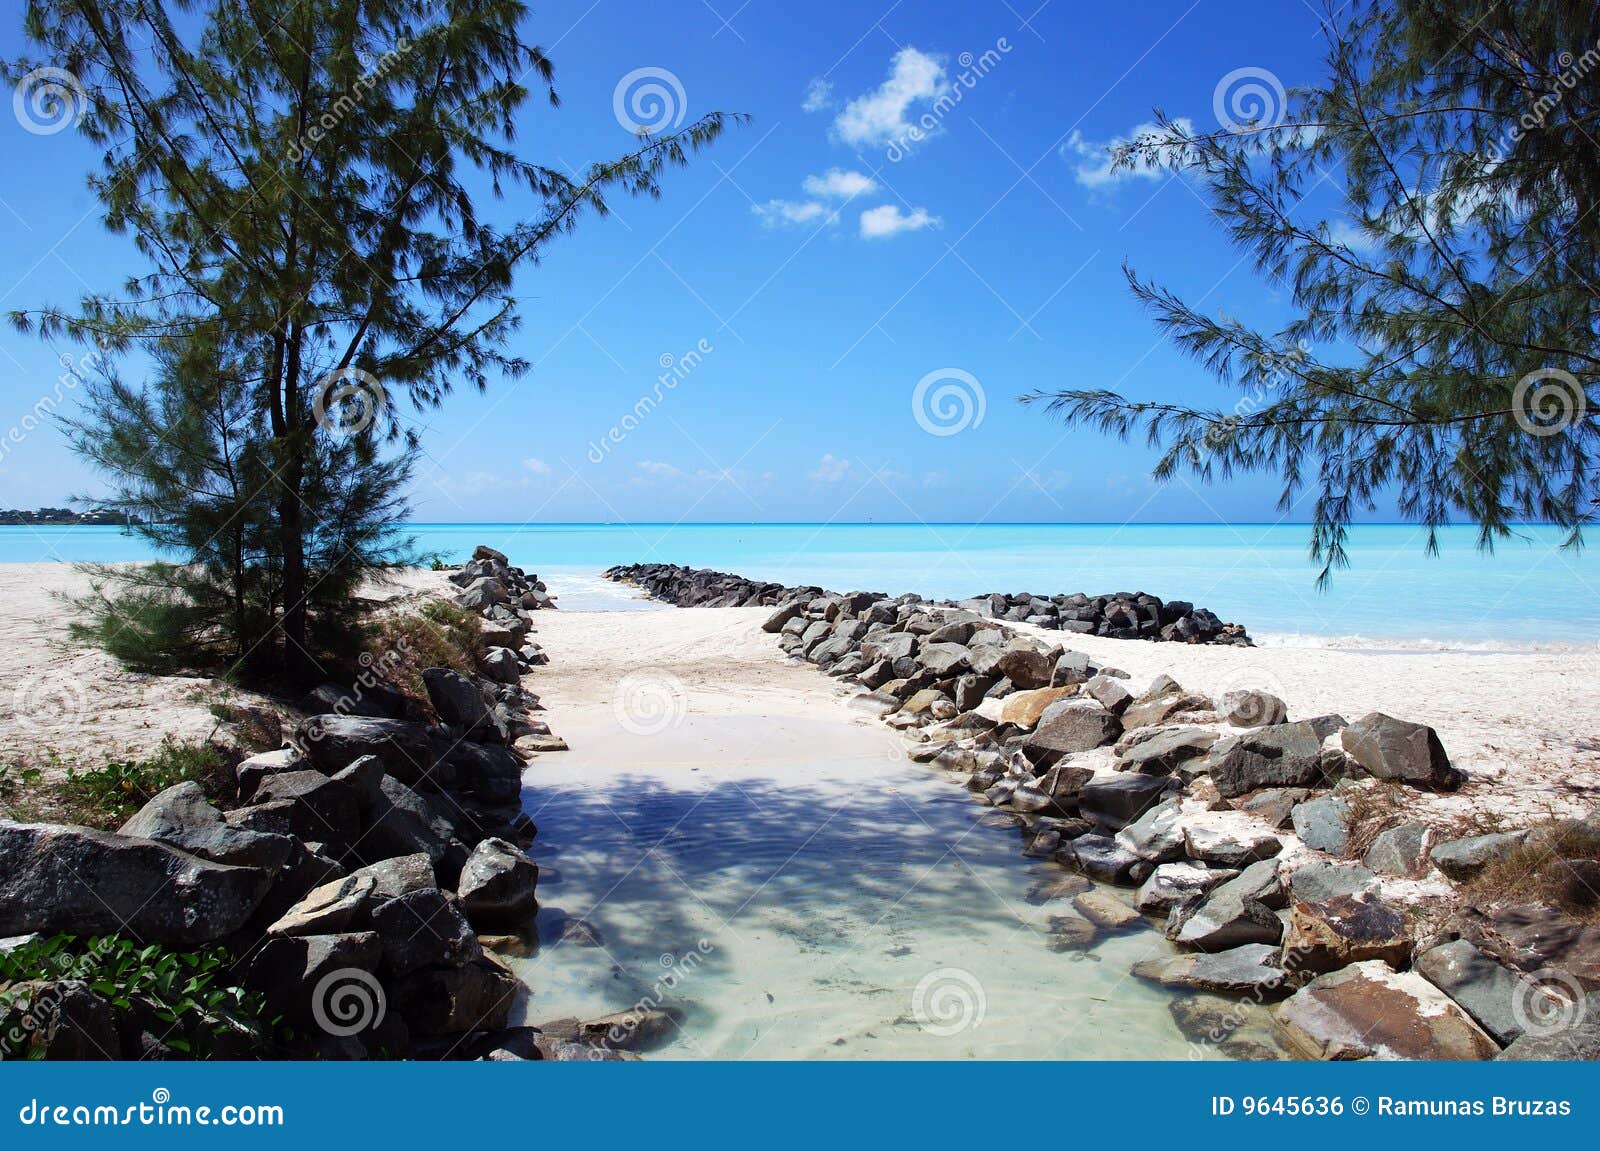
[[1520, 722]]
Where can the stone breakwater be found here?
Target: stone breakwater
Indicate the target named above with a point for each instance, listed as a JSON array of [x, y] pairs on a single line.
[[361, 878], [1237, 829], [1123, 615]]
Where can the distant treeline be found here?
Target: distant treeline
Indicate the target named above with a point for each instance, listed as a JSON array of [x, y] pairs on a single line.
[[13, 516]]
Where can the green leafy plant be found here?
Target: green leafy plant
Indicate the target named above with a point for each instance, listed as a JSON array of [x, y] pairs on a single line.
[[119, 789], [190, 992]]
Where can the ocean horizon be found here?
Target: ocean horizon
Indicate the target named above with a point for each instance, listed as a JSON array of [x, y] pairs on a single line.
[[1259, 575]]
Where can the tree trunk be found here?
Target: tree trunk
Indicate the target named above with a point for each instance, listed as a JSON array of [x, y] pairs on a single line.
[[298, 666]]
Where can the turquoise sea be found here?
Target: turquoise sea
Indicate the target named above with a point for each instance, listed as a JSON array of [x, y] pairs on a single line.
[[1528, 591]]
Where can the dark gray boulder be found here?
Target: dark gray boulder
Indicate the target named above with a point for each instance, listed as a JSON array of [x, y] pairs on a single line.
[[1501, 1000], [424, 929], [399, 822], [1284, 755], [1463, 859], [316, 807], [493, 774], [1116, 800], [1242, 910], [461, 703], [333, 742], [55, 878], [1250, 969], [497, 883], [1395, 749], [1100, 857], [1252, 708], [1070, 726], [1167, 750], [183, 817]]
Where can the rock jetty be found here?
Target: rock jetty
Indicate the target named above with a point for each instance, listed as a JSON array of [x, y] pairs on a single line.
[[1123, 615]]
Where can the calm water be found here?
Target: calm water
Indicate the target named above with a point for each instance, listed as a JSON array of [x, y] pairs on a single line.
[[1259, 575], [786, 905]]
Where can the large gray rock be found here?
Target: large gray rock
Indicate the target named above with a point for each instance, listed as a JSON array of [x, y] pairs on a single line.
[[1165, 751], [1251, 969], [473, 996], [1252, 708], [1070, 726], [1463, 859], [1026, 667], [1116, 800], [289, 970], [182, 817], [460, 702], [1395, 749], [253, 770], [1370, 1011], [1321, 881], [1284, 755], [497, 882], [401, 822], [1229, 847], [1174, 884], [1099, 857], [489, 772], [1156, 836], [55, 878], [1234, 913], [1323, 823], [1578, 1039], [314, 807], [1401, 850], [333, 742], [424, 929], [1485, 990], [943, 659]]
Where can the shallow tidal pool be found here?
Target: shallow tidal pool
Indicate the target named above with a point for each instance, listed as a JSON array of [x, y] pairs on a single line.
[[812, 896]]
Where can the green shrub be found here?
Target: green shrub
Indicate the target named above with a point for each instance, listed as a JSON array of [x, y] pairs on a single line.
[[189, 992], [119, 789]]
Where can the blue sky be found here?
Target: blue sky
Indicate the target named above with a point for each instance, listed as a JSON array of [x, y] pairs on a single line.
[[802, 278]]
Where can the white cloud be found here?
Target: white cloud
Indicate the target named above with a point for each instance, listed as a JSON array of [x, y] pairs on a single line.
[[819, 95], [830, 469], [658, 470], [537, 467], [839, 184], [788, 213], [879, 116], [888, 220], [1093, 159]]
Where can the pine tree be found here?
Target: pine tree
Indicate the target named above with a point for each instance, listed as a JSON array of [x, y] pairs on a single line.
[[301, 178], [1444, 346]]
